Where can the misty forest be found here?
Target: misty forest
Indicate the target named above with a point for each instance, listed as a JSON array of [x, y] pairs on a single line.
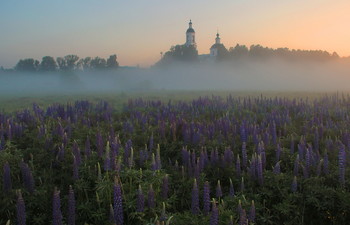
[[238, 135]]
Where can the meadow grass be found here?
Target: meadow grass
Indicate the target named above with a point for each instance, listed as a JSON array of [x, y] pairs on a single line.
[[11, 103]]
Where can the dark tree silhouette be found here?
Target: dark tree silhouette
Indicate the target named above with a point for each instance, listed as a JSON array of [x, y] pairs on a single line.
[[84, 64], [239, 51], [71, 60], [98, 63], [223, 53], [27, 65], [48, 64], [61, 63], [67, 63], [112, 62], [180, 53]]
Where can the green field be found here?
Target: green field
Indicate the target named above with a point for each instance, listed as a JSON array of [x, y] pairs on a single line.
[[12, 103], [175, 157]]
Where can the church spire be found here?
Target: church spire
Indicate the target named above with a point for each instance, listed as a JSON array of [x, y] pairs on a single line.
[[190, 35], [217, 39]]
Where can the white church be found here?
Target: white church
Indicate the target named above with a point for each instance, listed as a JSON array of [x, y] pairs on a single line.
[[191, 40]]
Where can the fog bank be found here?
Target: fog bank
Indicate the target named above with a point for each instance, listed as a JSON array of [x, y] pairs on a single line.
[[239, 76]]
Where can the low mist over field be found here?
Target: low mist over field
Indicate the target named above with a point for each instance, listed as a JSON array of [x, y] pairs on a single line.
[[252, 76]]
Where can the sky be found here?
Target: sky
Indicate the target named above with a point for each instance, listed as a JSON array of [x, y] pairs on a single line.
[[137, 31]]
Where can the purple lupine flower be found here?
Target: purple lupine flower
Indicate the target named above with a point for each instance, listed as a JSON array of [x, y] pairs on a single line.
[[196, 170], [150, 145], [252, 212], [158, 161], [150, 200], [87, 147], [165, 186], [143, 156], [195, 198], [218, 190], [127, 151], [153, 163], [56, 209], [99, 144], [307, 162], [263, 159], [21, 210], [292, 145], [238, 167], [131, 158], [301, 148], [319, 168], [65, 139], [341, 163], [27, 177], [243, 218], [274, 133], [112, 160], [239, 207], [305, 171], [185, 157], [228, 156], [2, 142], [140, 200], [243, 133], [60, 154], [231, 221], [118, 164], [213, 157], [325, 164], [107, 158], [232, 190], [214, 217], [111, 214], [244, 155], [216, 156], [260, 171], [7, 178], [115, 145], [278, 152], [266, 138], [9, 132], [294, 184], [316, 140], [296, 166], [206, 198], [118, 204], [76, 153], [75, 169], [163, 216], [71, 206], [242, 184], [277, 168], [202, 162]]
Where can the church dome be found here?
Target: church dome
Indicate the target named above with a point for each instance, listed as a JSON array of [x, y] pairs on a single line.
[[190, 30], [216, 46]]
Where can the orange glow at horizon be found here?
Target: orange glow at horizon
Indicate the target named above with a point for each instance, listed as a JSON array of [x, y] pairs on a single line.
[[137, 33]]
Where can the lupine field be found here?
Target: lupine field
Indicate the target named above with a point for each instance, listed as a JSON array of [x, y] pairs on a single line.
[[211, 160]]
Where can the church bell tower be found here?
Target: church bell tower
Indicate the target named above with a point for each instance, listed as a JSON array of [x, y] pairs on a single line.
[[190, 36]]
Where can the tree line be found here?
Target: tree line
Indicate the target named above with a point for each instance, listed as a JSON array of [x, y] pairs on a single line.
[[65, 64], [183, 53]]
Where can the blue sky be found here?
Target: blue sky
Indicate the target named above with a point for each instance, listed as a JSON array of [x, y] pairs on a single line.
[[137, 31]]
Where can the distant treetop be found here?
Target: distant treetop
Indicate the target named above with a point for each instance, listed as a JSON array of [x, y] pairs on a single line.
[[65, 64]]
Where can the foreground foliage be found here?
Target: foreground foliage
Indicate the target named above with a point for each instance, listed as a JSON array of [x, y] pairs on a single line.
[[210, 161]]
